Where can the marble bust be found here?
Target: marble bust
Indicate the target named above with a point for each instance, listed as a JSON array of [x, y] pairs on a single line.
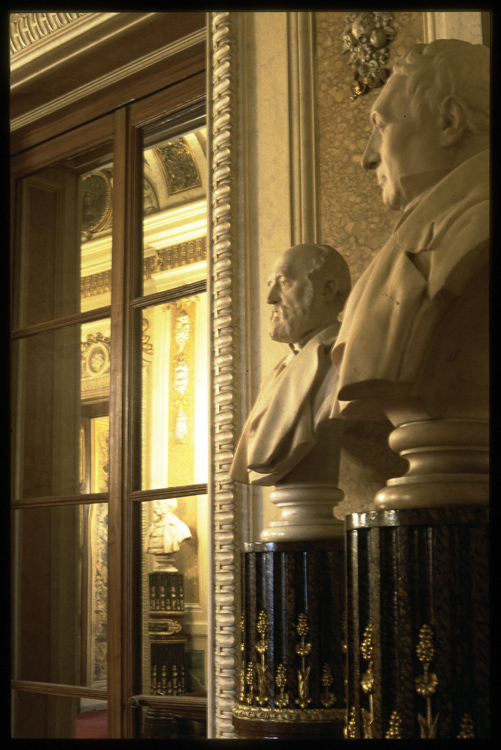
[[167, 531], [290, 419], [414, 339]]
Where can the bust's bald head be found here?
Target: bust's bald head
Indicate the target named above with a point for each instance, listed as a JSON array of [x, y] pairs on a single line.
[[308, 289]]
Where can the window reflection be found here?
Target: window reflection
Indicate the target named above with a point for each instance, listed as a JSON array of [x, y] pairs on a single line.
[[61, 594], [62, 434], [174, 600], [61, 413], [57, 717], [63, 239], [174, 211], [96, 189], [174, 393]]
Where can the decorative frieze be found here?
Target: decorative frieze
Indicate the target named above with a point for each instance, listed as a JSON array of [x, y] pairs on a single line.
[[182, 254], [466, 728], [28, 28], [95, 284], [328, 699], [303, 650], [175, 256]]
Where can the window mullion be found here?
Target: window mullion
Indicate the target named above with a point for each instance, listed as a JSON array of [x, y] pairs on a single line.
[[117, 517]]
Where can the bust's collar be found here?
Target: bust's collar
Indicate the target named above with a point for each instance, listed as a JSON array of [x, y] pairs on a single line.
[[325, 335], [479, 161]]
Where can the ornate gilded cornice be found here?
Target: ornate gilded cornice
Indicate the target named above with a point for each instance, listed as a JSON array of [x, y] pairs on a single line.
[[28, 28]]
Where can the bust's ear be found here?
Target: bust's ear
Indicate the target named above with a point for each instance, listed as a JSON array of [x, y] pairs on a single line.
[[453, 115], [329, 290]]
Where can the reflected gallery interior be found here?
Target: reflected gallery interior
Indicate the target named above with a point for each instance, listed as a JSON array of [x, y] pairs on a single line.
[[63, 388]]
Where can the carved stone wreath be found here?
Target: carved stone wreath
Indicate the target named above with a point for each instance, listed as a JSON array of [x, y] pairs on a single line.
[[366, 36], [96, 202], [95, 355]]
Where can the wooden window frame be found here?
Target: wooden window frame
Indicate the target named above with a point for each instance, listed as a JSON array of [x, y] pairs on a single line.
[[122, 128]]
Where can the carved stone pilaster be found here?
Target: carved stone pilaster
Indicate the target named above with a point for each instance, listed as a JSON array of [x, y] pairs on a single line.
[[224, 310]]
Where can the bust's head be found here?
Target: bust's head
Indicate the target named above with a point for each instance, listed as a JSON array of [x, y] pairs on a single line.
[[432, 115], [164, 507], [308, 289]]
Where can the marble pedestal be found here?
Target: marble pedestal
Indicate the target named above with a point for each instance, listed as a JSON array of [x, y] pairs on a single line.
[[308, 494], [307, 512], [292, 678], [448, 464], [418, 653]]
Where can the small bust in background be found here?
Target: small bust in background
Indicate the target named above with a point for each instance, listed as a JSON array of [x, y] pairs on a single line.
[[307, 292], [167, 530]]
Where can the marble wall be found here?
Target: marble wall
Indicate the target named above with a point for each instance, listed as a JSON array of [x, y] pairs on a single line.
[[354, 219]]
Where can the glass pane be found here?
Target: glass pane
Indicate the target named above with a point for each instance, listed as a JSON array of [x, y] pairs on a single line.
[[174, 723], [61, 426], [174, 210], [174, 405], [37, 716], [174, 600], [63, 239], [60, 594]]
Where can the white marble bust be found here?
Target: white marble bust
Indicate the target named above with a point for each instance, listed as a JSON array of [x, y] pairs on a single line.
[[307, 291], [167, 531], [413, 343]]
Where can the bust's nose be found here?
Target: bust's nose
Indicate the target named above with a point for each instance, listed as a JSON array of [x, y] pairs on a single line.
[[372, 157], [273, 294]]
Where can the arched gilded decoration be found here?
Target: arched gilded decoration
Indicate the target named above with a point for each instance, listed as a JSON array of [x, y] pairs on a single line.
[[178, 166]]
